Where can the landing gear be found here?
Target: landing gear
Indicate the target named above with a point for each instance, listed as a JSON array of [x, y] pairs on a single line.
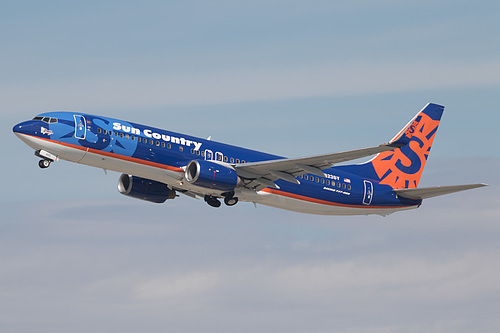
[[212, 201], [46, 158], [230, 199], [44, 163]]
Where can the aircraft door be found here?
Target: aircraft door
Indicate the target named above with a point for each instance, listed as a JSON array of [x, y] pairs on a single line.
[[368, 196], [80, 127]]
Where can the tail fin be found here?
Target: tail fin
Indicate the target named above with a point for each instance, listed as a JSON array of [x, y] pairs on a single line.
[[402, 167]]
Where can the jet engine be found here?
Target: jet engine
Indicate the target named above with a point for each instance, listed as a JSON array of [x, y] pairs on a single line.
[[211, 175], [144, 189]]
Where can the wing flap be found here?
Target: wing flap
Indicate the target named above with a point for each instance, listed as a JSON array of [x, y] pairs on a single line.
[[429, 192]]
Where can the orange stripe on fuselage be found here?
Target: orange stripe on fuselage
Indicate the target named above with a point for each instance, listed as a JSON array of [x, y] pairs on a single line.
[[113, 155], [324, 202], [170, 168]]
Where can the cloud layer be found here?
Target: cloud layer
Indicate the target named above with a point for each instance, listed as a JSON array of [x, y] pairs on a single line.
[[253, 84], [101, 265]]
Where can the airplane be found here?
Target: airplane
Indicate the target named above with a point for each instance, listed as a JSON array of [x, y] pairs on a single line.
[[157, 164]]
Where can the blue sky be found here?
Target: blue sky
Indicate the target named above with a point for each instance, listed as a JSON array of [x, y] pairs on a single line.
[[286, 77]]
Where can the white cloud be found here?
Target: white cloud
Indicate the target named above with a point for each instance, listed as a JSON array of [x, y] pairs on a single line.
[[396, 277], [175, 287]]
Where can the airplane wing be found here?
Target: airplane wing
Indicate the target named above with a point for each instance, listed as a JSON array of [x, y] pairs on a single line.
[[259, 175], [429, 192]]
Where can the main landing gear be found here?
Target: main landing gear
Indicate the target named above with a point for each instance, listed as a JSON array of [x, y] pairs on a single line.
[[229, 200], [212, 201]]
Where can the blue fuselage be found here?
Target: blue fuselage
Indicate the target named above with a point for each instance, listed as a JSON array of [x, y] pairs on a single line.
[[162, 156]]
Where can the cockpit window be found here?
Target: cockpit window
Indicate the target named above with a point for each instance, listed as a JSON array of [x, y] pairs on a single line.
[[47, 120]]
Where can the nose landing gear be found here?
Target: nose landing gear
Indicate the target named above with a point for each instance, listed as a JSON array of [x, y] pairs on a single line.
[[44, 163], [47, 158]]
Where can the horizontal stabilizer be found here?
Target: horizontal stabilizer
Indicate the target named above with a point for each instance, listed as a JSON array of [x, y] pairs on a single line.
[[429, 192]]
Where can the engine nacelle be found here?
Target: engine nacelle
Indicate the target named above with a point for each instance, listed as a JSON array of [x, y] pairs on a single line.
[[144, 189], [211, 175]]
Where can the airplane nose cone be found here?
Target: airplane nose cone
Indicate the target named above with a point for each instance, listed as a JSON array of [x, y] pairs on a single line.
[[23, 128], [18, 128]]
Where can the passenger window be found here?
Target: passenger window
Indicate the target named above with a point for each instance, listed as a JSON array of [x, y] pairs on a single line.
[[104, 131], [127, 136], [151, 142], [116, 133], [328, 182], [343, 186], [99, 130], [202, 154], [169, 145], [306, 177], [132, 138], [180, 148], [121, 135], [349, 187], [163, 144], [238, 160], [198, 152], [317, 179], [157, 143], [192, 151], [231, 160], [322, 180], [225, 158]]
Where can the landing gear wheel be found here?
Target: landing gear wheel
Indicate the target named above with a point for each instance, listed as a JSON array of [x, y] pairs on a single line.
[[44, 164], [212, 201], [230, 201]]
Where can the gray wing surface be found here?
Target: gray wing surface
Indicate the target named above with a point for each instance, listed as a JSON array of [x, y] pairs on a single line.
[[430, 192], [259, 175]]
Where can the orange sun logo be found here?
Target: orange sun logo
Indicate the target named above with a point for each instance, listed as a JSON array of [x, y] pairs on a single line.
[[402, 168]]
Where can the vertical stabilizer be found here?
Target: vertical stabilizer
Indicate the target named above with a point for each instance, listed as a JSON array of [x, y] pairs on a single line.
[[402, 167]]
